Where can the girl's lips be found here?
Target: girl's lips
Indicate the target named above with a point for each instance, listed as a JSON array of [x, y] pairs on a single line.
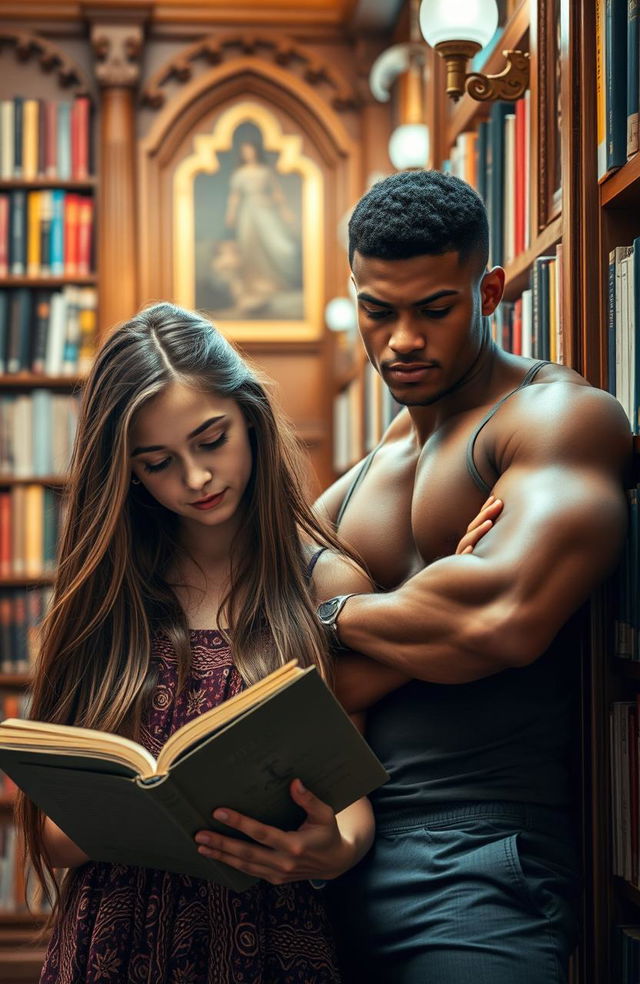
[[210, 502]]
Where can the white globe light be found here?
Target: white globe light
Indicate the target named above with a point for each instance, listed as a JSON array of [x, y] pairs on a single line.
[[409, 146], [340, 314], [458, 20]]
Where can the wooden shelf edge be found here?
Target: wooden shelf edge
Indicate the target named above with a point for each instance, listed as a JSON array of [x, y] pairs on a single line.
[[81, 280], [29, 380], [468, 109], [71, 184], [517, 271], [617, 189], [19, 680], [56, 481], [35, 581]]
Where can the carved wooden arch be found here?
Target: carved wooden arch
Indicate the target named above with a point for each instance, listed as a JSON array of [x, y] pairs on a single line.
[[220, 48], [243, 77], [50, 57]]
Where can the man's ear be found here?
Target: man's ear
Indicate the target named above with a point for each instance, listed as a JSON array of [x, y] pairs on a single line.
[[492, 289]]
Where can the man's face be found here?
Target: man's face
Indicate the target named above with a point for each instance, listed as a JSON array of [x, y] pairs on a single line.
[[421, 320]]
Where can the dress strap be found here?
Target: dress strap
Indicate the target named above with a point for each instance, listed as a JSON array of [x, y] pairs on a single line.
[[355, 483], [312, 563], [530, 375]]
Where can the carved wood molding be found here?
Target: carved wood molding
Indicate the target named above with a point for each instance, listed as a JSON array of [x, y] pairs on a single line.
[[282, 51], [50, 57], [117, 48]]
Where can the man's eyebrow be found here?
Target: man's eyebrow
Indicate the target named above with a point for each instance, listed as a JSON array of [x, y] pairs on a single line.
[[362, 296], [194, 433]]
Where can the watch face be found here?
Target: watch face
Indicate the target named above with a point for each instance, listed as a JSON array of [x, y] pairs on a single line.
[[328, 609]]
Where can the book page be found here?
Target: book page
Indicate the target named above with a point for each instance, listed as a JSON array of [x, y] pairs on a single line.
[[207, 723]]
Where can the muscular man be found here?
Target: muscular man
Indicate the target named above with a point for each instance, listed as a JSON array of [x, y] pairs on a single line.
[[469, 660], [473, 873]]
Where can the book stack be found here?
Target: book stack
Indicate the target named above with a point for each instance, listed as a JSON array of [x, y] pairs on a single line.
[[45, 138], [48, 332], [617, 83], [37, 430], [623, 372]]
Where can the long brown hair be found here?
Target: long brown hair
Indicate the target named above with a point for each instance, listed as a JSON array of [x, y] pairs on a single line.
[[110, 595]]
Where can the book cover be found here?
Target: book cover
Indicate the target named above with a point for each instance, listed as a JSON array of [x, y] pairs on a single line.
[[63, 147], [18, 135], [4, 234], [18, 232], [6, 139], [118, 804], [30, 139], [633, 80], [56, 238], [616, 82]]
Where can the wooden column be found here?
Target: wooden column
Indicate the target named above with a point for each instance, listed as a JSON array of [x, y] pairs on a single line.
[[117, 48]]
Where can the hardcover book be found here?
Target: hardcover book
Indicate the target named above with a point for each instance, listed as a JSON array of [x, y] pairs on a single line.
[[119, 804]]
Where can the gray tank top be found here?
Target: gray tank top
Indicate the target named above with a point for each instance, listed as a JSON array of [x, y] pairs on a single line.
[[505, 737]]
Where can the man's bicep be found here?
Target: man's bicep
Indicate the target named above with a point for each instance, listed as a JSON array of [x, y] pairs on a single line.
[[560, 534]]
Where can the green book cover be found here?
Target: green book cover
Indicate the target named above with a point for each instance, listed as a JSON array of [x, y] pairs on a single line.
[[114, 801]]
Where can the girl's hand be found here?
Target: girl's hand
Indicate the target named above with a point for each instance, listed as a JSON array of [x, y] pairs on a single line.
[[480, 525], [316, 850]]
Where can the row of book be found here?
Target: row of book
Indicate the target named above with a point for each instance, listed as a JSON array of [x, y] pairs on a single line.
[[623, 351], [532, 325], [30, 520], [47, 233], [48, 332], [617, 83], [37, 430], [495, 160], [626, 620], [19, 893], [21, 613], [625, 812], [44, 138]]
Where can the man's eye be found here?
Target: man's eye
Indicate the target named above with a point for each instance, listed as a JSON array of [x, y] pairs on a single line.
[[376, 315], [436, 312], [157, 467]]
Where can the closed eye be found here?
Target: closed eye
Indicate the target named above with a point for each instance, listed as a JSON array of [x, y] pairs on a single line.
[[435, 312], [156, 468], [376, 315], [211, 445]]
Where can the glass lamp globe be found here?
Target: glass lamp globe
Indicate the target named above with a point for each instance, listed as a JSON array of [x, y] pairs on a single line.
[[458, 20], [409, 146], [340, 314]]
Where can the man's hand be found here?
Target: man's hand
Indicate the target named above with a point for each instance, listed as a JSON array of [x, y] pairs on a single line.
[[318, 849]]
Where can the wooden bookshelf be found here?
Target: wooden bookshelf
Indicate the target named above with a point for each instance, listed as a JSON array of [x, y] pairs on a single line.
[[519, 270], [622, 188], [34, 184], [88, 280], [27, 380], [39, 581]]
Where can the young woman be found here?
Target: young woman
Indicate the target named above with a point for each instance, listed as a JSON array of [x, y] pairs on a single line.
[[190, 566]]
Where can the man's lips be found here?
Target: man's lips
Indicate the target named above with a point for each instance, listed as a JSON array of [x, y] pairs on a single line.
[[409, 371]]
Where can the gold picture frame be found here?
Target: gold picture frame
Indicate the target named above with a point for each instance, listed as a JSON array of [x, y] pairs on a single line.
[[248, 237]]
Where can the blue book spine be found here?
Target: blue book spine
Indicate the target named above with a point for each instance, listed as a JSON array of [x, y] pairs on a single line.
[[616, 82], [56, 240], [633, 92], [18, 233]]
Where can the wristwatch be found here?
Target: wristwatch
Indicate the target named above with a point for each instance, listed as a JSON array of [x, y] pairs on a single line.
[[329, 610]]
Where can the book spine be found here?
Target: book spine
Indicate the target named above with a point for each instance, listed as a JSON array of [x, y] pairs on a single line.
[[4, 234], [80, 139], [616, 89], [42, 139], [64, 140], [30, 139], [56, 255], [18, 233], [51, 138], [601, 102], [633, 76], [6, 139], [34, 214], [4, 329], [18, 135]]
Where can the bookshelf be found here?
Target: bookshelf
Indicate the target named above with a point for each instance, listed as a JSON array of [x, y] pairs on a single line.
[[48, 329]]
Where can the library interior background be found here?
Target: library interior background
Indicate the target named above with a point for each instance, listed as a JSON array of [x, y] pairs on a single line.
[[126, 129]]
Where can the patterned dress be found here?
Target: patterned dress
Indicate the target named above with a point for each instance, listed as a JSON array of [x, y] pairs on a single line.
[[141, 926]]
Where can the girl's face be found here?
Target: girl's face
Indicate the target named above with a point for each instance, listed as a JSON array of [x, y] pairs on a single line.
[[191, 451]]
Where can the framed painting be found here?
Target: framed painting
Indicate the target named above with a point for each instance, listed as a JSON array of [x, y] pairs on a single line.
[[248, 229]]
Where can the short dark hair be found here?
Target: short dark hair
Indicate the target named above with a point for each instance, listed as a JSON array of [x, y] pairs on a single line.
[[416, 212]]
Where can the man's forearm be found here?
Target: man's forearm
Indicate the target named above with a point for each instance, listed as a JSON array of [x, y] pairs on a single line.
[[445, 625]]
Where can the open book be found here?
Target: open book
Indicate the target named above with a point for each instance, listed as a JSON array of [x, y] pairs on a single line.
[[118, 803]]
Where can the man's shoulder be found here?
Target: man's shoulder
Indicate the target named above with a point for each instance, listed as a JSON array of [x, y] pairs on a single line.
[[562, 410]]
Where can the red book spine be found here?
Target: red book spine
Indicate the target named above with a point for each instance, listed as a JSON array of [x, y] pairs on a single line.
[[51, 138], [5, 534], [517, 327], [85, 235], [80, 138], [519, 190], [4, 235], [71, 238]]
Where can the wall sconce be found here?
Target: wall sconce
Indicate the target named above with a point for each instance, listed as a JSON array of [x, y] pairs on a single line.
[[402, 66], [458, 29], [340, 315]]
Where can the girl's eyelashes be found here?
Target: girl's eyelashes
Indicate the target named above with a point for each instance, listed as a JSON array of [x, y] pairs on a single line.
[[206, 445], [219, 441], [155, 468]]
